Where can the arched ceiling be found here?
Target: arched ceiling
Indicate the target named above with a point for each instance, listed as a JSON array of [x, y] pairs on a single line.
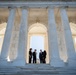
[[37, 28], [37, 15]]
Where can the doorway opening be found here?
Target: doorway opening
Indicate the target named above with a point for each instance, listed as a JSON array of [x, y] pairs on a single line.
[[37, 42], [37, 39]]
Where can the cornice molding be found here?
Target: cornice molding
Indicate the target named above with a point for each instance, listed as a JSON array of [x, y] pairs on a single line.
[[37, 4]]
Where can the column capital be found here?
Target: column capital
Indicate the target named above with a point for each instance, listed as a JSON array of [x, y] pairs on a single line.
[[24, 7], [65, 7], [50, 7], [12, 7]]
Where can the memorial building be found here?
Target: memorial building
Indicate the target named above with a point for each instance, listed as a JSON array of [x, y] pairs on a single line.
[[54, 20]]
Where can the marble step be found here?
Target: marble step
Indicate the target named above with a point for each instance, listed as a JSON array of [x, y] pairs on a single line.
[[37, 70]]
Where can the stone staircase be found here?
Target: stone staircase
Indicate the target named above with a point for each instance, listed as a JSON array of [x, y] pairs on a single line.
[[35, 69]]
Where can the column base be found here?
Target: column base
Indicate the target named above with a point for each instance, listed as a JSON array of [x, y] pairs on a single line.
[[4, 62], [56, 62], [18, 62], [71, 62]]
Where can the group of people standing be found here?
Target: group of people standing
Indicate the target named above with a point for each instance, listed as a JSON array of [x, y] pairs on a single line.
[[42, 56]]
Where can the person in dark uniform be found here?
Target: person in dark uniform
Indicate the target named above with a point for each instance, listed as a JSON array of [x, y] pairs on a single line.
[[44, 56], [34, 56], [30, 55], [40, 56]]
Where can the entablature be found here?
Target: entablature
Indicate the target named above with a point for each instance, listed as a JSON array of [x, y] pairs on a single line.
[[37, 4]]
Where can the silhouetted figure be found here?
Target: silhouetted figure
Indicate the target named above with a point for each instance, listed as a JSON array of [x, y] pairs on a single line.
[[30, 55], [34, 56], [44, 56], [40, 56]]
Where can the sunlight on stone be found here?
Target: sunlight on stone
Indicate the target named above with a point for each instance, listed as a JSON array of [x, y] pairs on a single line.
[[73, 30], [73, 27], [8, 59], [2, 32]]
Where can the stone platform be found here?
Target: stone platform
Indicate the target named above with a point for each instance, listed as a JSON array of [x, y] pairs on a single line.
[[36, 69]]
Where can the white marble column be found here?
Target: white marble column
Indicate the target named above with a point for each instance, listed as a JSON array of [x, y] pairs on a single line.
[[68, 38], [28, 47], [7, 37], [53, 41], [22, 42]]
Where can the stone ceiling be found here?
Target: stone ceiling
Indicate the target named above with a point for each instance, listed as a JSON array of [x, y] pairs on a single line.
[[40, 14]]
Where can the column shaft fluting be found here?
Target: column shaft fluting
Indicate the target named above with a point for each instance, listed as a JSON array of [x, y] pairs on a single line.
[[8, 33], [22, 42], [53, 41], [68, 37]]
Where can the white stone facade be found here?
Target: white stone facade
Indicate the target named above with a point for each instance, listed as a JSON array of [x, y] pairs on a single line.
[[44, 17]]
